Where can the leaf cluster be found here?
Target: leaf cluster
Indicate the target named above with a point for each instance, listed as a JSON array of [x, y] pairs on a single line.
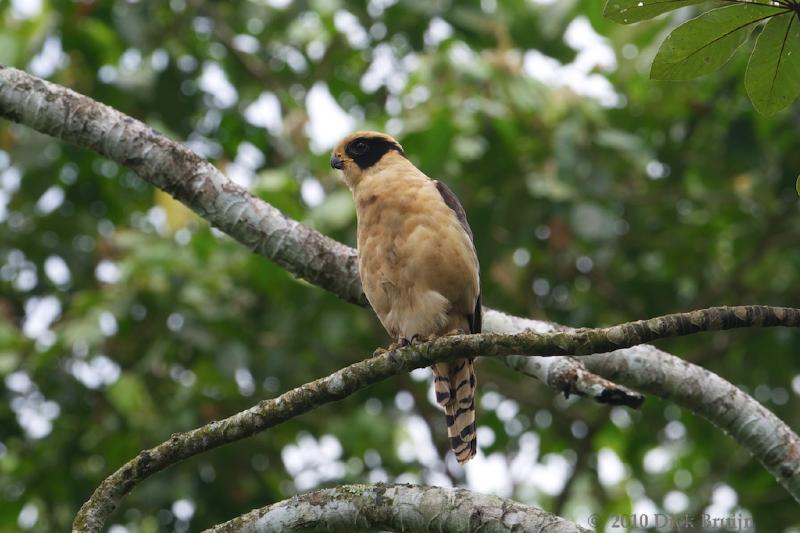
[[706, 42]]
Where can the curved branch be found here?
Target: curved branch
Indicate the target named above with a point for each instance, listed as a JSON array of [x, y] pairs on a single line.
[[195, 182], [717, 400], [174, 168], [397, 508], [344, 382], [726, 406]]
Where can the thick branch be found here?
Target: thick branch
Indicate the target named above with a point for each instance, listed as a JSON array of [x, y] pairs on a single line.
[[192, 180], [397, 508], [717, 400], [358, 375], [166, 164]]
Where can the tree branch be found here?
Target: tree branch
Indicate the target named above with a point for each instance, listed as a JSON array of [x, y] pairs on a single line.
[[717, 400], [564, 374], [397, 508], [726, 406], [189, 178], [344, 382]]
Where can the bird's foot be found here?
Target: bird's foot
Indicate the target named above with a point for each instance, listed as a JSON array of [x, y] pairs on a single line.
[[402, 342], [422, 339], [391, 348]]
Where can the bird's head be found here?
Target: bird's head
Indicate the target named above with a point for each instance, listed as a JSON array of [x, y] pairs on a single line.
[[363, 152]]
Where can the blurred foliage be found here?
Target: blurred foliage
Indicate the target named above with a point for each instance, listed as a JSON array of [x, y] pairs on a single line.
[[596, 196]]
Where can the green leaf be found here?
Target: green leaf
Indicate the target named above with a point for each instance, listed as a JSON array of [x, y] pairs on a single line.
[[773, 73], [630, 11], [707, 42]]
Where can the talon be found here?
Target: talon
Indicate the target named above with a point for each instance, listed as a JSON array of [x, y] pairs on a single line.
[[421, 339], [401, 343], [379, 351], [391, 348]]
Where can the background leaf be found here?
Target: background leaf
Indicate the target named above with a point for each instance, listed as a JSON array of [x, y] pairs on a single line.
[[630, 11], [773, 73], [707, 42]]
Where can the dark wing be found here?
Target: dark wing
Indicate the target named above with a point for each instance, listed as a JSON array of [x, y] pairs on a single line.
[[476, 320], [451, 200]]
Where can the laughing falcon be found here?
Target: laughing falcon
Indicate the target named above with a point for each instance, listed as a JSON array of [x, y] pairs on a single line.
[[417, 264]]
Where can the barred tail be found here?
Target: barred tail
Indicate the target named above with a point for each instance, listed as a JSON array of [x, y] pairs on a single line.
[[454, 384]]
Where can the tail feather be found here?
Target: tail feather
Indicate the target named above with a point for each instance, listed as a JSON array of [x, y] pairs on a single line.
[[454, 384], [441, 383]]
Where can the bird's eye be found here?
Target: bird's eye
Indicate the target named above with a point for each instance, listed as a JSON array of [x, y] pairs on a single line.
[[359, 148]]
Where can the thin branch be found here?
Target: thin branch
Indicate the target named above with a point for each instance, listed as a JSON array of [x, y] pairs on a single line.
[[565, 374], [587, 341], [397, 508], [344, 382]]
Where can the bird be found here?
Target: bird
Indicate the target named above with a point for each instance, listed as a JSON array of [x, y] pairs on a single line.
[[417, 263]]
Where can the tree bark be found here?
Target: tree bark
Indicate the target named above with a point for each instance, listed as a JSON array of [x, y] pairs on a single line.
[[397, 508]]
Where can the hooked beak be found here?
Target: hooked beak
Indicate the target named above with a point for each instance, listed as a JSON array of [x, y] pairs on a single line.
[[336, 162]]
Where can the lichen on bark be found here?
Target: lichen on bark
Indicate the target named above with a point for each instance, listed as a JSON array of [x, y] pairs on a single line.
[[397, 507]]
